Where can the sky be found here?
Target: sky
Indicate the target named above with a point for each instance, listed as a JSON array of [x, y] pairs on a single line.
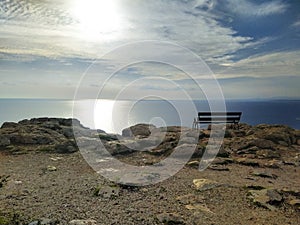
[[52, 48]]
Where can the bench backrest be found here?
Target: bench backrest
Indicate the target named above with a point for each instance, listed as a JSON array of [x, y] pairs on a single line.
[[219, 117]]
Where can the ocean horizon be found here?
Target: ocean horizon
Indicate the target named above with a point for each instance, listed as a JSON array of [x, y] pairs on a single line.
[[113, 116]]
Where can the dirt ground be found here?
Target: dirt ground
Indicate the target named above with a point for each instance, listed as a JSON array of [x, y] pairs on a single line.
[[63, 187]]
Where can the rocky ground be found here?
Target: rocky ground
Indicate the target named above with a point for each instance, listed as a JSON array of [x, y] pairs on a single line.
[[45, 180]]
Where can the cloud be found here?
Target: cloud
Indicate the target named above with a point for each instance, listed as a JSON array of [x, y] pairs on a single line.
[[296, 24], [39, 29], [266, 65], [248, 8]]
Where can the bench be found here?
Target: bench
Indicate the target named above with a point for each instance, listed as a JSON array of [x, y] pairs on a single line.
[[217, 117]]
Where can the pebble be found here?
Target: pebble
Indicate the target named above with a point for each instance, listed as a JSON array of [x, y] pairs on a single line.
[[51, 168]]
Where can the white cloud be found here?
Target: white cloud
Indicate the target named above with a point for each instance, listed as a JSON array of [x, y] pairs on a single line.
[[296, 24], [268, 65], [247, 8], [36, 30]]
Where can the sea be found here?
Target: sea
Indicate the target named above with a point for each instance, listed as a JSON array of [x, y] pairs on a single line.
[[113, 116]]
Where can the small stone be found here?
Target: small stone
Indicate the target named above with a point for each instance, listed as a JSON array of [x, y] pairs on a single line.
[[55, 158], [204, 184], [51, 168], [83, 222], [145, 190], [193, 163], [107, 191], [18, 182]]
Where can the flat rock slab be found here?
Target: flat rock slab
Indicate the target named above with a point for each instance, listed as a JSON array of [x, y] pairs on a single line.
[[266, 198], [204, 184]]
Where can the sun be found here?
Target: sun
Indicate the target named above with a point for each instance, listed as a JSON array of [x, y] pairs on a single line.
[[96, 18]]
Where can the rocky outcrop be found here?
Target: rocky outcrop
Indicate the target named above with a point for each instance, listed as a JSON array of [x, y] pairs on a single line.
[[243, 144], [45, 134]]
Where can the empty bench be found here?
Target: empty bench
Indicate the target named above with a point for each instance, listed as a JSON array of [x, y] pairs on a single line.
[[217, 117]]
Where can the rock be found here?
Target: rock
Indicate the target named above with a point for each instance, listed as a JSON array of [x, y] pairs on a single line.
[[142, 130], [9, 125], [298, 141], [275, 164], [247, 162], [170, 218], [65, 147], [266, 198], [267, 154], [193, 164], [107, 191], [264, 175], [123, 147], [107, 137], [218, 167], [263, 143], [223, 152], [4, 141], [83, 222], [251, 150], [51, 168], [276, 133], [295, 202], [204, 184], [293, 192], [67, 132]]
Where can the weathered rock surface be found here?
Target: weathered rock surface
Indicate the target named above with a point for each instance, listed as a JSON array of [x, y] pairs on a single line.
[[246, 145], [141, 130], [45, 134], [4, 141], [266, 198], [204, 184]]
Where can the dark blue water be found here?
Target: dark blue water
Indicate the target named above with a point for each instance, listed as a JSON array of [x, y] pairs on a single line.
[[113, 116]]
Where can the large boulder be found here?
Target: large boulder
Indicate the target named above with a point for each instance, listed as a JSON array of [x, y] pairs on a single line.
[[141, 130]]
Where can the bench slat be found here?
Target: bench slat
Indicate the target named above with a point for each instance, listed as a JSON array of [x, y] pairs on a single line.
[[218, 117], [219, 113]]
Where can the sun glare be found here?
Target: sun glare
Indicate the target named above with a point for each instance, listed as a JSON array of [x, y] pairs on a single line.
[[103, 114], [97, 18]]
